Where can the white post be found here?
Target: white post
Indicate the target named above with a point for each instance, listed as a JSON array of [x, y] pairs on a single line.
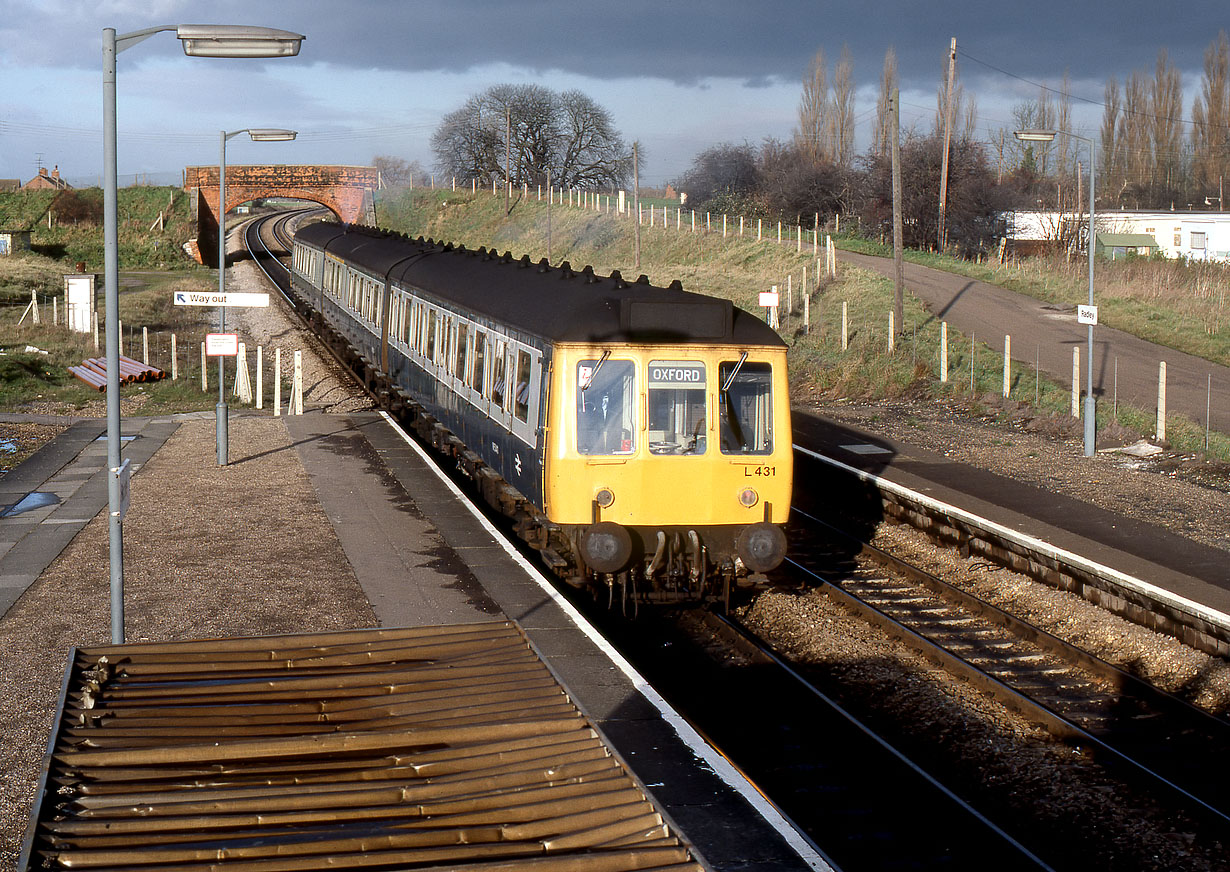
[[799, 242], [204, 375], [708, 225], [1007, 365], [260, 377], [1076, 381], [174, 359], [296, 389], [845, 325], [892, 333], [277, 381], [145, 345], [740, 226], [759, 229], [34, 306], [94, 321], [789, 296], [693, 220], [779, 233], [723, 225], [1161, 401], [55, 311], [806, 313], [944, 351], [119, 337]]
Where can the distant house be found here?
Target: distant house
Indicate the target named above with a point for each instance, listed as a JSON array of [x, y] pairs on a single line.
[[47, 181], [1192, 235], [13, 241], [8, 186]]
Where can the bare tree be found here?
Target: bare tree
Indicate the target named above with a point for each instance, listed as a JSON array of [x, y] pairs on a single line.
[[1134, 133], [394, 172], [842, 120], [566, 133], [1211, 120], [888, 80], [813, 134], [1166, 118], [1112, 171]]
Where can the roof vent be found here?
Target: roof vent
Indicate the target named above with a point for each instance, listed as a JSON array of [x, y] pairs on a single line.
[[643, 280], [524, 262], [565, 270], [544, 265], [618, 280]]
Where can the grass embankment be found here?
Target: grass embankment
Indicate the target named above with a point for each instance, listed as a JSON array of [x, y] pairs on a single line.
[[1177, 303], [70, 230], [739, 269]]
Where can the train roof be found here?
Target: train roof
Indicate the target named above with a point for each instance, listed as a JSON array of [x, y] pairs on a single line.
[[556, 303]]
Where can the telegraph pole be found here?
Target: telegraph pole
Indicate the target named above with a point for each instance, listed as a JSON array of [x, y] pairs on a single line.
[[941, 233], [636, 205], [898, 248]]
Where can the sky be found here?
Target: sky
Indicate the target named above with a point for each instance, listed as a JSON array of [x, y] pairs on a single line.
[[375, 77]]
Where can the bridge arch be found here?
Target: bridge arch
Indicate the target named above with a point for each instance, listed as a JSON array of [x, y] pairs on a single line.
[[345, 190]]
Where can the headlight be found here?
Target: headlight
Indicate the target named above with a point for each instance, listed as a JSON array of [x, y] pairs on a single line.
[[748, 497]]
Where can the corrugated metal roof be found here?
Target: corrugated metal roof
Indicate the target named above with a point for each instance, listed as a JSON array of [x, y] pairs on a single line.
[[440, 747]]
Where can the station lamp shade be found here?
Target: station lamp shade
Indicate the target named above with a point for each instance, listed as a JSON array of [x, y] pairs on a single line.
[[237, 41], [1034, 135], [271, 134]]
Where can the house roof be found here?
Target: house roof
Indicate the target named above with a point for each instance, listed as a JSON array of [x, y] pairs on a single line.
[[1127, 240]]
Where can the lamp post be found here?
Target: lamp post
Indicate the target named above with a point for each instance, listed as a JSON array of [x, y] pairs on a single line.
[[257, 134], [1090, 402], [198, 40]]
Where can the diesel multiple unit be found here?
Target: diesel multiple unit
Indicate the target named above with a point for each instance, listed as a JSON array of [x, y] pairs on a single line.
[[638, 435]]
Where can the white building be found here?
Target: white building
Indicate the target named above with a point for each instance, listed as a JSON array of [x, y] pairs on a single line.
[[1194, 235]]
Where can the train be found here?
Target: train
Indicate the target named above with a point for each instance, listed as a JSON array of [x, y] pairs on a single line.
[[638, 436]]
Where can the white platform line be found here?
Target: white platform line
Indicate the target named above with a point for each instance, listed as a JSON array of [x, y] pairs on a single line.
[[714, 760]]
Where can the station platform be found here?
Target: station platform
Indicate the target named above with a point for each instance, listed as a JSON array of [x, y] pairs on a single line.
[[423, 558], [1162, 565]]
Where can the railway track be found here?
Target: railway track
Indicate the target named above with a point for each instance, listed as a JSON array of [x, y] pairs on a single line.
[[834, 789]]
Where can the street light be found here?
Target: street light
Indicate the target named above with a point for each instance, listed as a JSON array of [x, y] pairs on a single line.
[[257, 134], [1090, 403], [198, 40]]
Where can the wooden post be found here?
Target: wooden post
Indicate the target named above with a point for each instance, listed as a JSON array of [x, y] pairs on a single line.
[[296, 387], [740, 226], [145, 345], [204, 369], [174, 359], [1161, 401], [1076, 381], [898, 246], [94, 321], [806, 312], [845, 325], [759, 228], [789, 296], [892, 332], [1007, 365], [942, 232], [944, 351]]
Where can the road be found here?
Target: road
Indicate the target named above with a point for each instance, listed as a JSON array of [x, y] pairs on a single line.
[[1050, 331]]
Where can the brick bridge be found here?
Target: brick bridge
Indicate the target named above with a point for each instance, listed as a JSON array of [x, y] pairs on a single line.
[[347, 191]]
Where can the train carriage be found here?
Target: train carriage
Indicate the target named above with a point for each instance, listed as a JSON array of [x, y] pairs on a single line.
[[638, 434]]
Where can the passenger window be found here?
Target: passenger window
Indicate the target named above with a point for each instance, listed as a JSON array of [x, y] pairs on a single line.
[[676, 407], [745, 410], [480, 361], [521, 400], [606, 399], [459, 360], [498, 376]]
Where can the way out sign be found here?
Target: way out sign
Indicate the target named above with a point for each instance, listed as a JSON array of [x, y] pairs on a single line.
[[196, 298], [221, 344], [1087, 315]]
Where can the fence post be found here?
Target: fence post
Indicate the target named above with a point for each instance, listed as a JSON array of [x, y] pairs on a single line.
[[174, 359], [1076, 381], [145, 345], [789, 296], [944, 351], [806, 311], [799, 245], [845, 325], [1161, 401], [204, 369], [1007, 365], [892, 332]]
